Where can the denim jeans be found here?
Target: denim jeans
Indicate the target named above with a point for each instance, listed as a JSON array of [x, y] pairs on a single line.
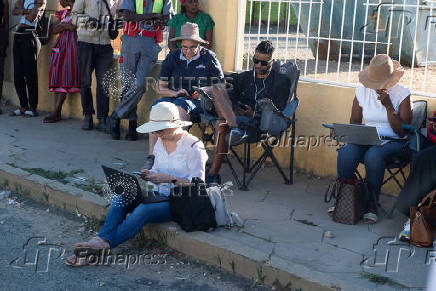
[[117, 228], [191, 106], [99, 58], [374, 158]]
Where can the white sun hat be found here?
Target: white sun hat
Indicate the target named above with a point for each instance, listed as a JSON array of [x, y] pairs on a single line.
[[162, 116]]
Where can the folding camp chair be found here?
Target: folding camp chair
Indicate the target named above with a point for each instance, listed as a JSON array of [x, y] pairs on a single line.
[[396, 164], [267, 142]]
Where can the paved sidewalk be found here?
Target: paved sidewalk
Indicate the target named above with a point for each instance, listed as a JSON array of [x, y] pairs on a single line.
[[285, 225]]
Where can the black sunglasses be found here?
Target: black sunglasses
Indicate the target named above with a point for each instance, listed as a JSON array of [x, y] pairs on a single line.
[[263, 63]]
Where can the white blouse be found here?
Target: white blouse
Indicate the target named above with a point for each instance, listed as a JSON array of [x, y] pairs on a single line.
[[187, 161], [374, 113]]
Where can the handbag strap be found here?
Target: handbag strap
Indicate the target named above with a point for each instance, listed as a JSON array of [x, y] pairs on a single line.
[[430, 196], [109, 10], [333, 189]]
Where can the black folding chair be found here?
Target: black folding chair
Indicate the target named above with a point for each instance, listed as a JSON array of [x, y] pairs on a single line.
[[396, 164], [267, 142]]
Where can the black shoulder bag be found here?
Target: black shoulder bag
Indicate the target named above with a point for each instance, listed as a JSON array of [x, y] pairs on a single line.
[[42, 28], [113, 28], [191, 208]]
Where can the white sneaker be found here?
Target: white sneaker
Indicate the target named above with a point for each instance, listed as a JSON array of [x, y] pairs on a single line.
[[405, 233]]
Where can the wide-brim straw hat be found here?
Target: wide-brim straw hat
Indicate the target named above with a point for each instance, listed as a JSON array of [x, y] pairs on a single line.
[[162, 116], [382, 73], [190, 31]]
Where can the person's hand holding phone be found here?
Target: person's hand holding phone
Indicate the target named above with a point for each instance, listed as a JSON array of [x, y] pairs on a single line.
[[144, 174], [180, 93]]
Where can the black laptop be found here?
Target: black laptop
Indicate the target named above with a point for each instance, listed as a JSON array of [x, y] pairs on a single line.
[[126, 187]]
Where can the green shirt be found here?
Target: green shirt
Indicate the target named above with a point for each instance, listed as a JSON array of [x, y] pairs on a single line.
[[204, 21]]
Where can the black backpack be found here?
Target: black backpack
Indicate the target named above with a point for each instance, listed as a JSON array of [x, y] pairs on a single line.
[[191, 208], [42, 29]]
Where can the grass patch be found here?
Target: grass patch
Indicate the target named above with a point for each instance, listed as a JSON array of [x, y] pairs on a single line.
[[91, 186], [158, 239], [380, 280], [59, 176]]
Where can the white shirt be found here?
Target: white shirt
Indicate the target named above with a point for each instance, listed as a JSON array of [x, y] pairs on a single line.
[[374, 113], [28, 4], [187, 161]]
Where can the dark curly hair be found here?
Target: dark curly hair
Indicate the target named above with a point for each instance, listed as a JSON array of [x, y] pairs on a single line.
[[265, 47]]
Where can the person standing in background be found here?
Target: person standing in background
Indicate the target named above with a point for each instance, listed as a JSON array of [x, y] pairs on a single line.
[[139, 54], [95, 52], [64, 74], [191, 13], [26, 50]]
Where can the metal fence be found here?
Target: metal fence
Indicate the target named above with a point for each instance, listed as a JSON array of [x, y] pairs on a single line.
[[332, 40]]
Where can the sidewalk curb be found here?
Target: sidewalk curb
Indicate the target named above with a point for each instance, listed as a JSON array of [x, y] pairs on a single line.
[[229, 255]]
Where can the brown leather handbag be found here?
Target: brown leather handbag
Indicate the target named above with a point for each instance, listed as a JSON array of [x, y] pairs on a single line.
[[422, 217], [349, 198]]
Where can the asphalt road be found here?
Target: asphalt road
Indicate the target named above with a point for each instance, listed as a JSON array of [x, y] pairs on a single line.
[[35, 240]]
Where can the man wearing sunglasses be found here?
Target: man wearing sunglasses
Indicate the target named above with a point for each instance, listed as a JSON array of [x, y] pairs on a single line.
[[249, 87]]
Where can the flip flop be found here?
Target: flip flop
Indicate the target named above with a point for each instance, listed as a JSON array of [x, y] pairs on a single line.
[[88, 251], [51, 119], [331, 211], [74, 261], [370, 218]]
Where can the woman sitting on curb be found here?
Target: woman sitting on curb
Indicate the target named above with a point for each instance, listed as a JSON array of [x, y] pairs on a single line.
[[385, 104], [179, 157]]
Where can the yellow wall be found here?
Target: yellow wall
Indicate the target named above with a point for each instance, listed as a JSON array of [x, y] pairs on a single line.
[[319, 103]]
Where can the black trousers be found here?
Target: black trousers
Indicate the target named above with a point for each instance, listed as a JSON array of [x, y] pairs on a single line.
[[99, 58], [26, 49], [421, 181], [4, 41]]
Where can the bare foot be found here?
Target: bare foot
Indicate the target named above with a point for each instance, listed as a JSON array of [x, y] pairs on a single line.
[[94, 243], [74, 261]]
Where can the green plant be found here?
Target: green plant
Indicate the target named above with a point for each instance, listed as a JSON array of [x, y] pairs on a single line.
[[380, 280], [219, 260], [260, 276], [232, 264], [45, 194]]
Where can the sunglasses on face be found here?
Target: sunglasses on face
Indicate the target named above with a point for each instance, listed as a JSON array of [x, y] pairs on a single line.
[[191, 48], [263, 63], [159, 131]]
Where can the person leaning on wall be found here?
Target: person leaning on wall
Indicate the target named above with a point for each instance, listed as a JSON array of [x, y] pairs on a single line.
[[26, 50]]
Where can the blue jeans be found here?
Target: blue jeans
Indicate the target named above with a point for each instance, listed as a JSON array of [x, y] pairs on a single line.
[[374, 158], [191, 106], [138, 57], [117, 228]]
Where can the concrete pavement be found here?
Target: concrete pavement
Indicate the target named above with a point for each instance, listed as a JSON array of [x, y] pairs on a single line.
[[288, 236]]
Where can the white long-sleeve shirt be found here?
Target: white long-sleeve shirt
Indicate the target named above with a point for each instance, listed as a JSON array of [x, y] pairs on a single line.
[[187, 161]]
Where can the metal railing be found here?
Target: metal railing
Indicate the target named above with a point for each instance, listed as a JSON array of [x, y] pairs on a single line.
[[332, 40]]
